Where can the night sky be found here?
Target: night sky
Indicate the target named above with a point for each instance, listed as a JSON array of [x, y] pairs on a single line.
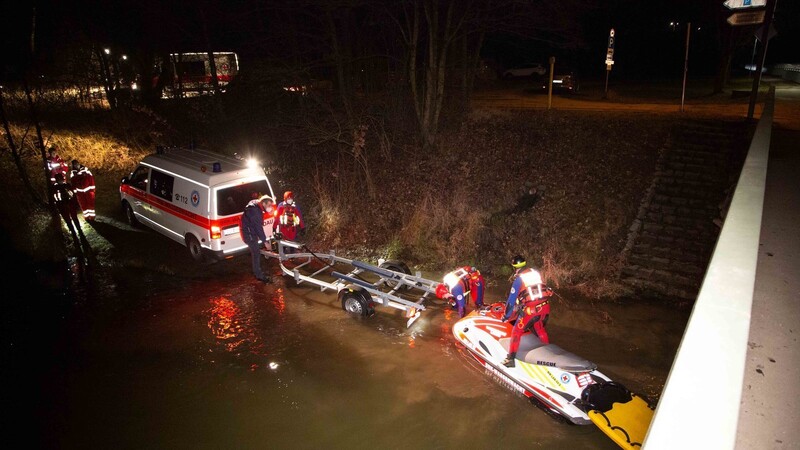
[[646, 45]]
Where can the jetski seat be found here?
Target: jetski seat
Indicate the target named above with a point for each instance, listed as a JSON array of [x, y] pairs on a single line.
[[533, 351]]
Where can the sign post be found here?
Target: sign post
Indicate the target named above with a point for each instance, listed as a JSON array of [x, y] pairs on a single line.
[[762, 54], [550, 84], [686, 63], [609, 59]]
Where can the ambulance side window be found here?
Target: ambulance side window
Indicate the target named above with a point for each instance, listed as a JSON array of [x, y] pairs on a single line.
[[161, 185], [139, 177]]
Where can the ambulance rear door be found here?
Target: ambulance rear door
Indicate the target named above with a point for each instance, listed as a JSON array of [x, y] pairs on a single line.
[[229, 201]]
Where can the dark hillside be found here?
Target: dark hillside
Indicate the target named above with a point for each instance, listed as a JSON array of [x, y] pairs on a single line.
[[560, 187]]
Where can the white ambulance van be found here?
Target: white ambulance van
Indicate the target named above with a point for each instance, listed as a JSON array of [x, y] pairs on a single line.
[[195, 197]]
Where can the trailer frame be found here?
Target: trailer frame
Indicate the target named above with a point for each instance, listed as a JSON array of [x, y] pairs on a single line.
[[393, 288]]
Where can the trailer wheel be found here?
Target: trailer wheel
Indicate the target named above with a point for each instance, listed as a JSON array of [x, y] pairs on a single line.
[[395, 266], [356, 301], [195, 249]]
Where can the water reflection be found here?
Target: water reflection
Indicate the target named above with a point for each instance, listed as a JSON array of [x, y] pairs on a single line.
[[249, 364], [222, 318], [279, 300], [240, 321]]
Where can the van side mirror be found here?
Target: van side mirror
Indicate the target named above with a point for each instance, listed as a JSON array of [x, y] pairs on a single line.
[[126, 180]]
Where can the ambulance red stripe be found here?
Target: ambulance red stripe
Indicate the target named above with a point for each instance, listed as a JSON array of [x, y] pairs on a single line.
[[181, 213]]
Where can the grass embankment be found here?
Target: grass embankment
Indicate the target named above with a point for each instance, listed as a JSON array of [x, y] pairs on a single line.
[[559, 187]]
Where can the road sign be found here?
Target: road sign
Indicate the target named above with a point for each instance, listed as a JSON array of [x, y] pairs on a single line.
[[743, 4], [746, 18], [610, 51]]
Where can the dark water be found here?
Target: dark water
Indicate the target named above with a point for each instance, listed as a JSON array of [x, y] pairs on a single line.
[[160, 352]]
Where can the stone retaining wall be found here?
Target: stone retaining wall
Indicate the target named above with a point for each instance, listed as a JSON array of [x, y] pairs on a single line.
[[670, 243]]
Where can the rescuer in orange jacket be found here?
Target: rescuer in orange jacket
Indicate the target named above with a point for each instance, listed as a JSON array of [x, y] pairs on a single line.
[[289, 221], [82, 182], [529, 298], [460, 283]]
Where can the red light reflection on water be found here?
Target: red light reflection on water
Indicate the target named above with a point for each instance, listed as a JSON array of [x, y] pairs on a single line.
[[236, 327], [279, 300], [222, 319], [238, 323]]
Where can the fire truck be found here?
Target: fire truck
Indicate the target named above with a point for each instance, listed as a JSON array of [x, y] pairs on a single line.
[[190, 74]]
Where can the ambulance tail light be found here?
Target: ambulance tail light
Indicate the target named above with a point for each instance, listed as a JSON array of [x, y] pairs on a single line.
[[216, 232]]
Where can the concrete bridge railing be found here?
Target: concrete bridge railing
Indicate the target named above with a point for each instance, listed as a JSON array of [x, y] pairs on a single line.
[[699, 407]]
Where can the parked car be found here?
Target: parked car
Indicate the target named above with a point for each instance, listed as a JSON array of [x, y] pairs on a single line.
[[525, 70], [563, 82]]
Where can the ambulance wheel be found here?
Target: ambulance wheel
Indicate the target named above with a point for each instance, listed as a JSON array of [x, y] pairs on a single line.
[[195, 249], [395, 266], [356, 301], [129, 215]]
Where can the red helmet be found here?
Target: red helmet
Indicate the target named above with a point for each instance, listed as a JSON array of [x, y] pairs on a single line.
[[441, 290], [287, 195]]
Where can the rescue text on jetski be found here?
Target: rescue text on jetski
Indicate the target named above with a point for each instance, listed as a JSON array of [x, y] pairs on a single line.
[[563, 384]]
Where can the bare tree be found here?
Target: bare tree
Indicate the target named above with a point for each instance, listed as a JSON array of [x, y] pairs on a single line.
[[16, 149], [411, 22], [16, 153], [432, 30], [34, 114]]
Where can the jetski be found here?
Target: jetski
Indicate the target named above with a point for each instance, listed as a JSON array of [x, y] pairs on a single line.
[[563, 384]]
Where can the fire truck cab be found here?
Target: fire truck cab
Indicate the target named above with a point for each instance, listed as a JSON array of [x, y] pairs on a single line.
[[196, 198]]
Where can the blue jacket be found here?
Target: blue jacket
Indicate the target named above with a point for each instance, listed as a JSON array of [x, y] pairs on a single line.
[[511, 302], [253, 223]]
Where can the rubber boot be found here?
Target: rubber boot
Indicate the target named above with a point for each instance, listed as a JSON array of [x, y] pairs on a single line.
[[509, 361]]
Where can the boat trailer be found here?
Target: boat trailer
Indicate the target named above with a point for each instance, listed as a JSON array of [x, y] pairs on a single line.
[[359, 285]]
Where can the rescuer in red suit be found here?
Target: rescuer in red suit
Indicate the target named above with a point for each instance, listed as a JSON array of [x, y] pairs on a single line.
[[529, 298], [55, 165], [460, 283], [82, 182], [67, 204], [289, 222]]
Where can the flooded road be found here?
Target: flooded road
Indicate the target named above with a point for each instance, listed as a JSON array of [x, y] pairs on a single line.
[[176, 354]]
